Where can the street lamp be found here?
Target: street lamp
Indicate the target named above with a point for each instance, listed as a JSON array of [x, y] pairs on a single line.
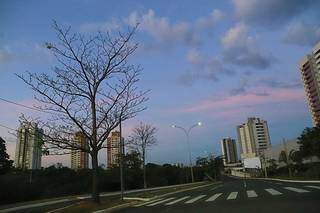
[[187, 133]]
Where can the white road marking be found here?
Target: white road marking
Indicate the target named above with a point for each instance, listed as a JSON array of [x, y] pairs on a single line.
[[296, 189], [215, 196], [195, 199], [232, 196], [145, 203], [161, 201], [59, 209], [315, 187], [176, 201], [251, 193], [83, 197], [273, 191]]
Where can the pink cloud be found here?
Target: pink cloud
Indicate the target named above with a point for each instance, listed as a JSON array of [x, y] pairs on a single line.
[[234, 102]]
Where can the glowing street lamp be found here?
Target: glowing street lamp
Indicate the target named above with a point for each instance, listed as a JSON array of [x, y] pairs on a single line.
[[187, 133]]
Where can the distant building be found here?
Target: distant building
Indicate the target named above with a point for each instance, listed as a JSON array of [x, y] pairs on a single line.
[[28, 147], [253, 137], [80, 159], [113, 149], [229, 150], [310, 73]]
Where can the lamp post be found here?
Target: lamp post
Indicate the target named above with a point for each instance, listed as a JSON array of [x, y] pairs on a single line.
[[121, 161], [187, 133]]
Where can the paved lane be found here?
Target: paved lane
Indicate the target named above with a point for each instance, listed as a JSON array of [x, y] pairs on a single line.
[[232, 196]]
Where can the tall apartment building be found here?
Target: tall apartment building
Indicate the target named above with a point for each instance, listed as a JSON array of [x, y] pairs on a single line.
[[253, 137], [28, 148], [113, 149], [229, 150], [310, 73], [80, 159]]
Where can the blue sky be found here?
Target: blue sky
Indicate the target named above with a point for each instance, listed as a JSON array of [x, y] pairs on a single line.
[[212, 61]]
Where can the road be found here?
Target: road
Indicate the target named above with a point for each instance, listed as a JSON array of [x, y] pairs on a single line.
[[262, 196], [64, 203]]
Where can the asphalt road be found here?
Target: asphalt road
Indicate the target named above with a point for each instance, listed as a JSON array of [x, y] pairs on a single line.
[[232, 196]]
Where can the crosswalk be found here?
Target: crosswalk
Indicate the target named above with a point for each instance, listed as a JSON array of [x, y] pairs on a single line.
[[188, 199], [273, 191]]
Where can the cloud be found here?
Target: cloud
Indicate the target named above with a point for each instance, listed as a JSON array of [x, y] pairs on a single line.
[[244, 100], [161, 28], [5, 55], [241, 49], [303, 34], [242, 89], [274, 83], [203, 67], [165, 32], [271, 13], [204, 23], [25, 53], [111, 25]]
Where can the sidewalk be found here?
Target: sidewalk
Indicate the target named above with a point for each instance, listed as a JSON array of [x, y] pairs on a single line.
[[291, 181]]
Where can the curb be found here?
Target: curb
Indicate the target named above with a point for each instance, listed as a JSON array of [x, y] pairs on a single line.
[[290, 181], [136, 198], [122, 206]]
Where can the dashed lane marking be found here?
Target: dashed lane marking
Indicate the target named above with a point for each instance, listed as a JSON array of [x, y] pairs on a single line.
[[314, 187], [152, 201], [178, 200], [213, 197], [195, 199], [232, 196], [296, 189], [161, 201], [273, 191], [251, 193]]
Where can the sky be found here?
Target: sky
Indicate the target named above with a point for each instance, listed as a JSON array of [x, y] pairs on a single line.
[[218, 62]]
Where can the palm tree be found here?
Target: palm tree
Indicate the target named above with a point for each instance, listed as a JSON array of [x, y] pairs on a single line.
[[288, 159]]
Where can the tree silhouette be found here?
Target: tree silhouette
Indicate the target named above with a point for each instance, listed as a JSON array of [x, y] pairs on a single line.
[[91, 90], [309, 142], [5, 162], [143, 136]]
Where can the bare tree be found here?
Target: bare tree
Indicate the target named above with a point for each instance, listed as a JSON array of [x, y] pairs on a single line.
[[91, 90], [143, 136]]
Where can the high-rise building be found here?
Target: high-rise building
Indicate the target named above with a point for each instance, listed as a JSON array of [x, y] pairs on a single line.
[[229, 150], [80, 159], [28, 147], [253, 137], [113, 149], [310, 73]]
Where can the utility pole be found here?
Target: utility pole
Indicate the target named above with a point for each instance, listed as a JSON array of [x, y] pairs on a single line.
[[244, 180], [121, 161]]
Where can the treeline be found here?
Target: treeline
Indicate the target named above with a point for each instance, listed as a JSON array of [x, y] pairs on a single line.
[[55, 181]]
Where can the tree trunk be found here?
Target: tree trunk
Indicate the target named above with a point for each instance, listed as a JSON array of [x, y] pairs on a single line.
[[95, 181], [144, 170]]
